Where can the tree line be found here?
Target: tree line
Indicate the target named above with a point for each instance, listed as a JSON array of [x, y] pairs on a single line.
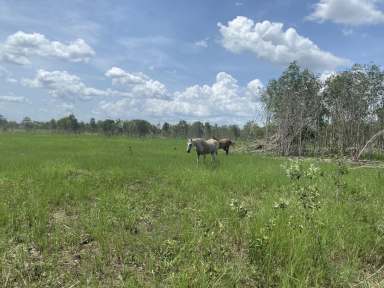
[[310, 116], [135, 128], [304, 115]]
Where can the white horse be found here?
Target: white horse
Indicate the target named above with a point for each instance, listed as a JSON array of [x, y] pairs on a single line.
[[203, 147]]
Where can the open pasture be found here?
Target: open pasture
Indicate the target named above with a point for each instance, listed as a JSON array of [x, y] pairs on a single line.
[[92, 211]]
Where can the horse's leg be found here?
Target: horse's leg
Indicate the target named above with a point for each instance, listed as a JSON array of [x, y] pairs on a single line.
[[213, 154], [198, 158], [226, 150]]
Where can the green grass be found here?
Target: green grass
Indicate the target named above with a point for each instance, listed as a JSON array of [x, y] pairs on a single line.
[[92, 211]]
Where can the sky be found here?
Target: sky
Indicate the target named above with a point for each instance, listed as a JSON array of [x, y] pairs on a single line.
[[168, 60]]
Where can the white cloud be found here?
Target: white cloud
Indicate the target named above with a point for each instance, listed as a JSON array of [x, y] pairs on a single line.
[[202, 43], [348, 12], [7, 75], [347, 32], [13, 99], [137, 84], [255, 89], [19, 47], [270, 42], [224, 100], [326, 75], [61, 84], [239, 3], [224, 97], [66, 108], [123, 107], [11, 80]]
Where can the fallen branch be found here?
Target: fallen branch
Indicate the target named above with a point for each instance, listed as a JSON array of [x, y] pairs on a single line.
[[370, 141]]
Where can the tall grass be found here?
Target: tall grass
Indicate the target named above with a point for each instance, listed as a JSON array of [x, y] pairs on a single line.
[[116, 212]]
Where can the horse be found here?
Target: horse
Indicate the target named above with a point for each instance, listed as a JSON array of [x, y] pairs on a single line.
[[203, 147], [224, 144]]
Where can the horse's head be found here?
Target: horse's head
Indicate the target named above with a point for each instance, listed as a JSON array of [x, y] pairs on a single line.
[[189, 145]]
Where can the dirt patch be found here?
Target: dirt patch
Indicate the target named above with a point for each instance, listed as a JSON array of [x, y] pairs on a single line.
[[60, 219], [21, 264], [372, 279]]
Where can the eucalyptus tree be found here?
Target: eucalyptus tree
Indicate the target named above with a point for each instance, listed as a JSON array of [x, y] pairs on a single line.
[[294, 101], [354, 103]]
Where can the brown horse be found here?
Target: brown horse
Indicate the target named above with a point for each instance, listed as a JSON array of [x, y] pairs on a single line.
[[224, 144]]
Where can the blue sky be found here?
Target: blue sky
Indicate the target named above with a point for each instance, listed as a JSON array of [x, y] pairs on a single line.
[[170, 60]]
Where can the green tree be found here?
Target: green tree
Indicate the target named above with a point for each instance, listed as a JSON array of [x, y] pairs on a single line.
[[252, 130], [108, 127], [3, 123], [68, 123], [181, 129], [27, 123], [93, 125], [207, 130], [166, 129], [234, 131], [353, 100], [295, 104], [197, 129]]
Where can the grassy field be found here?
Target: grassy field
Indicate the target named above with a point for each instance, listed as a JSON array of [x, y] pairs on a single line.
[[92, 211]]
